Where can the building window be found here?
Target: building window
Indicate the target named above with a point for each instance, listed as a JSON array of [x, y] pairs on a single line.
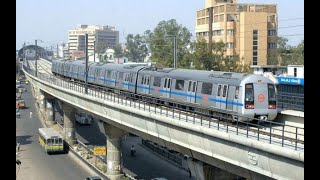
[[254, 60], [272, 45], [217, 32], [230, 32], [272, 32], [255, 53], [230, 45], [255, 48]]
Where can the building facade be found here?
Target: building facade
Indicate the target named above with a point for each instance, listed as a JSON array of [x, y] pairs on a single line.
[[102, 37], [249, 30]]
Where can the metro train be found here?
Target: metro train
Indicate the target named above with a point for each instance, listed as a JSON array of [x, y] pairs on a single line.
[[247, 95]]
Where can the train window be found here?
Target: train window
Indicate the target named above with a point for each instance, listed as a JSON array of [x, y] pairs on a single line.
[[109, 74], [225, 87], [206, 88], [148, 81], [189, 87], [157, 81], [169, 83], [142, 79], [179, 85], [219, 89], [165, 82], [236, 95]]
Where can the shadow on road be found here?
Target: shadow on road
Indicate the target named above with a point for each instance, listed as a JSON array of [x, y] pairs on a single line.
[[23, 140]]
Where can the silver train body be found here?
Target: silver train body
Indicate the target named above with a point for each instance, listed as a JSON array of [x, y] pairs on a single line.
[[247, 95]]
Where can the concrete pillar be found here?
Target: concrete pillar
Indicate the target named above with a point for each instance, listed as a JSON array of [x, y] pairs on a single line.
[[203, 171], [50, 115], [69, 123], [114, 136], [41, 101]]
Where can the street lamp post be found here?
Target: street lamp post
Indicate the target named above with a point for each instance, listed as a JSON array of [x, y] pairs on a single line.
[[174, 49], [94, 51], [86, 75], [36, 74]]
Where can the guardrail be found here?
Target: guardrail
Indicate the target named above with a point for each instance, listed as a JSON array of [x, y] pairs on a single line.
[[168, 108]]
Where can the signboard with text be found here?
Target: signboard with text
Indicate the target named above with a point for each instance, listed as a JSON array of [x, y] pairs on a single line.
[[100, 150], [293, 81]]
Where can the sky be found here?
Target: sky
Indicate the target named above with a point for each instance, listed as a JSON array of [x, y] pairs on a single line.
[[49, 21]]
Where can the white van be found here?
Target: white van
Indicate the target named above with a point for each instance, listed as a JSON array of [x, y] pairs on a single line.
[[83, 118]]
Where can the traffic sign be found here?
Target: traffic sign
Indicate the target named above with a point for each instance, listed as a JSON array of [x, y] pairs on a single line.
[[100, 150]]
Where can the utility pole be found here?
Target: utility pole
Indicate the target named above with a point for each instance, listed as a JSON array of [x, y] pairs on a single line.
[[174, 49], [94, 51], [175, 52], [210, 29], [86, 75], [57, 51], [36, 74], [24, 51]]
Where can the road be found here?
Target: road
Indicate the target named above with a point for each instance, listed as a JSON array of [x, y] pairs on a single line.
[[35, 163], [145, 165]]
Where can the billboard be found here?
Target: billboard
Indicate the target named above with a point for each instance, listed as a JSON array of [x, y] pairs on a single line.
[[78, 54]]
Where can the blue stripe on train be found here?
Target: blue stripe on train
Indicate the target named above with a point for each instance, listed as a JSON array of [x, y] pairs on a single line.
[[166, 91]]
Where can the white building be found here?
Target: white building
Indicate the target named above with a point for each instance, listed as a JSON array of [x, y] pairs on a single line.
[[296, 71], [101, 37]]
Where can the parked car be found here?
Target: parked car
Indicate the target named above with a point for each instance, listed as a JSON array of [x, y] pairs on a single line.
[[93, 178]]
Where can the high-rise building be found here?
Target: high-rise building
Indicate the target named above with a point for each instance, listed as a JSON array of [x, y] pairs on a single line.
[[249, 30], [102, 36]]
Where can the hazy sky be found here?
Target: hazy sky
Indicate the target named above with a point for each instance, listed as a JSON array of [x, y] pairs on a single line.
[[50, 21]]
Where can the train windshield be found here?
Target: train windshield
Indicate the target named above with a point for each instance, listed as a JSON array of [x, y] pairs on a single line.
[[271, 92], [249, 96], [271, 96]]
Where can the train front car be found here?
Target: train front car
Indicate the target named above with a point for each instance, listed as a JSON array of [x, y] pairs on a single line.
[[259, 97]]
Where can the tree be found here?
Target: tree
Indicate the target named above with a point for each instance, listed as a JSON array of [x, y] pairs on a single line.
[[298, 54], [136, 48], [202, 59], [289, 54], [118, 51], [100, 49], [160, 42]]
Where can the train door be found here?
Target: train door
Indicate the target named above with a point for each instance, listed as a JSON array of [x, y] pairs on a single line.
[[224, 96], [114, 78], [192, 88], [219, 95], [230, 97], [146, 84], [236, 100], [260, 96], [126, 81], [166, 87]]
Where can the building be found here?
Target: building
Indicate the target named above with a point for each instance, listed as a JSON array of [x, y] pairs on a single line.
[[249, 30], [291, 89], [102, 37], [274, 69]]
